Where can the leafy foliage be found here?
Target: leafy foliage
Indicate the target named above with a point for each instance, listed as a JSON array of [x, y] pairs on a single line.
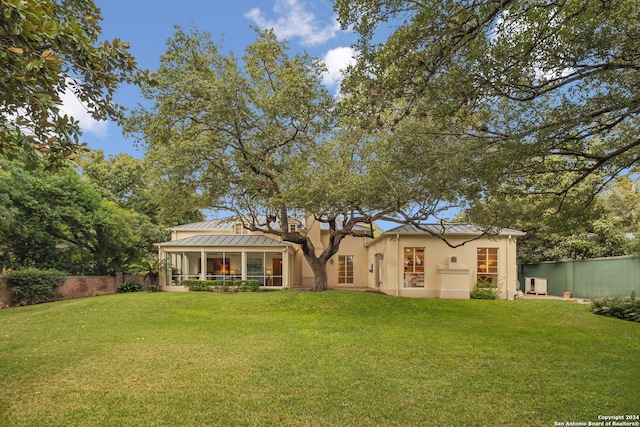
[[242, 135], [485, 289], [48, 48], [127, 182], [53, 219], [151, 270], [626, 308], [130, 286], [222, 285], [34, 286], [545, 111], [608, 226]]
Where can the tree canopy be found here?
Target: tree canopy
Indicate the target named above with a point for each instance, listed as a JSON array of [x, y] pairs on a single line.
[[262, 137], [544, 93], [47, 48], [54, 219]]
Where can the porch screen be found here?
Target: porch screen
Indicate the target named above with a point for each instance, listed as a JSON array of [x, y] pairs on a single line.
[[488, 264], [265, 267], [413, 267], [224, 265]]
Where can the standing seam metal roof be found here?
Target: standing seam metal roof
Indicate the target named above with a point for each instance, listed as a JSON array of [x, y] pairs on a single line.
[[468, 229], [224, 240]]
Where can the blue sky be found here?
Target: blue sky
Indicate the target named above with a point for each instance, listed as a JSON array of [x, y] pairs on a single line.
[[308, 25]]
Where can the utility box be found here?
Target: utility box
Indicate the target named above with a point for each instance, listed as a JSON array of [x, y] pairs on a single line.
[[535, 285]]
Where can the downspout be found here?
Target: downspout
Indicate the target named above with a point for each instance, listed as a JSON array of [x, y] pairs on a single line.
[[398, 264], [508, 263]]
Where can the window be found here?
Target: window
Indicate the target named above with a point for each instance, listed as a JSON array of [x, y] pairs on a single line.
[[238, 228], [487, 264], [293, 228], [345, 269], [413, 267]]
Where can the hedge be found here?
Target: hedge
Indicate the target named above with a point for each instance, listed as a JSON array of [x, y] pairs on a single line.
[[33, 286], [222, 285]]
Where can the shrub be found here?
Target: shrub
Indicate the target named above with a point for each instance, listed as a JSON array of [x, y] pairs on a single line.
[[198, 285], [626, 308], [247, 285], [222, 285], [485, 289], [34, 286], [130, 286]]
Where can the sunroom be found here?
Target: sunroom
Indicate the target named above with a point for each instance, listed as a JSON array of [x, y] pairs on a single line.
[[226, 257]]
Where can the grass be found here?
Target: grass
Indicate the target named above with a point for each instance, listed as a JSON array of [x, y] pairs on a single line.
[[312, 359]]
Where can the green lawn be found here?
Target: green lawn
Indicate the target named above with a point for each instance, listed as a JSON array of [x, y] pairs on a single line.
[[335, 358]]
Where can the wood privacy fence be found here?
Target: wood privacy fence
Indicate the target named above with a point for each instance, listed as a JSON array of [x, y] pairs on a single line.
[[587, 278], [82, 286]]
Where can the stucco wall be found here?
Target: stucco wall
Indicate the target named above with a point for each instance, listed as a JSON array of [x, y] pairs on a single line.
[[437, 264]]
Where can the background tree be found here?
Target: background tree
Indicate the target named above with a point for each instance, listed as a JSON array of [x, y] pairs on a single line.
[[543, 92], [126, 181], [53, 219], [607, 227], [47, 48]]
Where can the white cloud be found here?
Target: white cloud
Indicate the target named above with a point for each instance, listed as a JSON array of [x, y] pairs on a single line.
[[337, 61], [71, 106], [295, 21]]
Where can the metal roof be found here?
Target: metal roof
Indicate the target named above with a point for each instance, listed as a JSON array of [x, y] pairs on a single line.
[[449, 229], [224, 240], [360, 226], [214, 224], [223, 224]]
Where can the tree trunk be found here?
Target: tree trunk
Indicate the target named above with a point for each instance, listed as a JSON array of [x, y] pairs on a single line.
[[319, 269]]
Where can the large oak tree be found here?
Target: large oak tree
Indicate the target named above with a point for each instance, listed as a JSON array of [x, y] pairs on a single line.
[[239, 134], [262, 137], [544, 93]]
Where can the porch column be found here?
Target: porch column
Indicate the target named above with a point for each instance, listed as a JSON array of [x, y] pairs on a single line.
[[243, 264], [286, 273], [185, 266], [203, 264]]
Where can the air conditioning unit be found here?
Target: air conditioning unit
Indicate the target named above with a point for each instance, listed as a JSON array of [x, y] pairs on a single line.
[[535, 285]]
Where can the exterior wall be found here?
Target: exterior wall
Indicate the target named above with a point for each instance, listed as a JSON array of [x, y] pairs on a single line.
[[384, 266], [349, 246], [441, 278], [588, 278]]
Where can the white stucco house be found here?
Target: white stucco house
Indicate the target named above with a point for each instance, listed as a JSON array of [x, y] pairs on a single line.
[[403, 261]]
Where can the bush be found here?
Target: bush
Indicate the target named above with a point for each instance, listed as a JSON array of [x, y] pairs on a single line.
[[625, 308], [130, 286], [485, 289], [33, 286], [198, 285], [222, 285]]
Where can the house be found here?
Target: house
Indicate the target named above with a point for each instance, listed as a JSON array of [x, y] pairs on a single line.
[[403, 261]]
